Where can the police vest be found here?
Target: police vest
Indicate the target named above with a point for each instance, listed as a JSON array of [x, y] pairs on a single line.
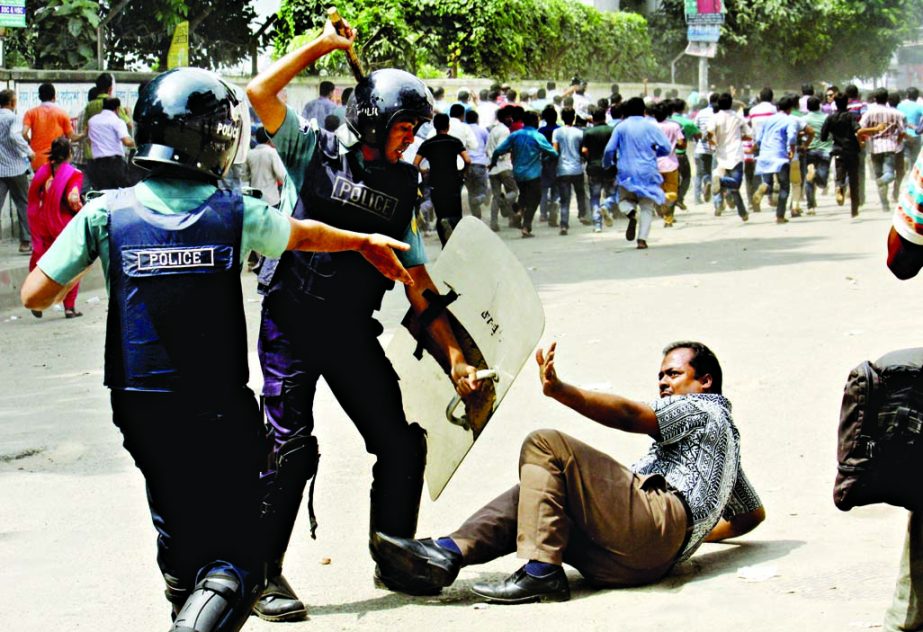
[[176, 319], [343, 191]]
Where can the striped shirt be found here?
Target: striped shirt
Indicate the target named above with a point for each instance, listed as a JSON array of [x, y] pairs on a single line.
[[14, 150], [888, 141], [758, 115], [908, 217]]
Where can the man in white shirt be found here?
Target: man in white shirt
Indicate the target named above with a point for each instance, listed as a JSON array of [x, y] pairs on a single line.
[[503, 187], [727, 131], [109, 137]]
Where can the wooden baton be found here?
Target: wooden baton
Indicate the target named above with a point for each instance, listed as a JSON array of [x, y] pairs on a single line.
[[354, 64]]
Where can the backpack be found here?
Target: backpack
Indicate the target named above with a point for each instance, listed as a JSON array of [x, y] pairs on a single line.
[[880, 451]]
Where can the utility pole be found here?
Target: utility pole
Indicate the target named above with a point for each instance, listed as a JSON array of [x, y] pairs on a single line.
[[703, 77]]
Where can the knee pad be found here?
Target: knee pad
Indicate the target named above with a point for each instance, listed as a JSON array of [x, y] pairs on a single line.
[[176, 592], [218, 603]]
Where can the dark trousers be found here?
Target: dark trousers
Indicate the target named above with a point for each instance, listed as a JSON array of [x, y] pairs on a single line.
[[298, 345], [447, 204], [849, 168], [18, 188], [685, 177], [730, 182], [785, 179], [108, 173], [530, 194], [821, 162], [565, 183], [201, 464]]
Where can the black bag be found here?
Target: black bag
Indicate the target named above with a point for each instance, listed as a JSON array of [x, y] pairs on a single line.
[[880, 452]]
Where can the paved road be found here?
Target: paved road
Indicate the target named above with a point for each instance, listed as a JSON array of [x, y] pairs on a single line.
[[788, 309]]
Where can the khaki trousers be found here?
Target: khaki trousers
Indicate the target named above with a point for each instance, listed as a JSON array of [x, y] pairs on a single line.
[[577, 505], [906, 611]]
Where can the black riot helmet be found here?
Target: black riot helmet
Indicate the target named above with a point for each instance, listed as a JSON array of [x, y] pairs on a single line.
[[189, 119], [383, 98]]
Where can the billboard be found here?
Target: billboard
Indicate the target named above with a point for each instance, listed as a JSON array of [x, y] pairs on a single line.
[[12, 13]]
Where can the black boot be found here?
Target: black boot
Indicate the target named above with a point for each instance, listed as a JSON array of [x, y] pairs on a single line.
[[278, 601]]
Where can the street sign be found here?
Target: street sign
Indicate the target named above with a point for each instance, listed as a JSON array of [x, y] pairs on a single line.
[[13, 13], [702, 49], [703, 33], [178, 56]]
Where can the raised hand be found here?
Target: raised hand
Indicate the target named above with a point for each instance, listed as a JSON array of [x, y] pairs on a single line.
[[546, 372]]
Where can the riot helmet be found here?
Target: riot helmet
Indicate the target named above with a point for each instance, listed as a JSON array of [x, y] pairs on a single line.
[[188, 118], [383, 98]]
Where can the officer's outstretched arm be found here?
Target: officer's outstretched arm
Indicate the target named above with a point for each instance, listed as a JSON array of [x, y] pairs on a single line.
[[377, 249], [441, 332], [39, 291], [263, 91]]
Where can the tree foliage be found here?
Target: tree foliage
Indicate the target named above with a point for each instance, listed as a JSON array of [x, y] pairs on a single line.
[[66, 34], [794, 41], [220, 32], [63, 33], [501, 38]]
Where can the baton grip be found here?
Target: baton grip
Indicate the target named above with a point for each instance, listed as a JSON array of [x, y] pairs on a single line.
[[354, 64]]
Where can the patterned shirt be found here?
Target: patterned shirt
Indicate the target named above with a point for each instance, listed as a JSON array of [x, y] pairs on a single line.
[[888, 141], [14, 150], [699, 455], [908, 216]]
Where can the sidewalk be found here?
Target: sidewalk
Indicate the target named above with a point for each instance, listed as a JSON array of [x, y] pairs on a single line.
[[14, 267]]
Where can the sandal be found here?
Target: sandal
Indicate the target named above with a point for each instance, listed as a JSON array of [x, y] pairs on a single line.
[[72, 313]]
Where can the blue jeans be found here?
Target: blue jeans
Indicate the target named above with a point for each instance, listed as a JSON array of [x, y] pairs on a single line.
[[549, 185], [601, 186], [883, 165], [703, 167], [564, 186], [821, 162], [785, 180], [730, 182]]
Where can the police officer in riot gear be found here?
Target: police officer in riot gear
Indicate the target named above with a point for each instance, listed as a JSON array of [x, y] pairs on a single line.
[[318, 308], [176, 363]]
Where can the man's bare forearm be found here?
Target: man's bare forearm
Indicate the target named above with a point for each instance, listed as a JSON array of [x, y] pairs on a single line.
[[607, 409]]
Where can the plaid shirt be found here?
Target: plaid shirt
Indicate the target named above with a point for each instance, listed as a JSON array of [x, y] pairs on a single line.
[[888, 141], [14, 150]]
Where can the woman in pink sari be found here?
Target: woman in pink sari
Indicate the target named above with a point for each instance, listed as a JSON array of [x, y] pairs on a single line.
[[54, 198]]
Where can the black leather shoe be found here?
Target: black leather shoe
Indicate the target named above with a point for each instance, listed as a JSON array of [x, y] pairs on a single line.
[[278, 602], [520, 587], [419, 563], [403, 584], [631, 231]]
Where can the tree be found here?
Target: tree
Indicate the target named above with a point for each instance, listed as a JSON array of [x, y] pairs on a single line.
[[500, 38], [220, 32], [65, 34], [789, 42]]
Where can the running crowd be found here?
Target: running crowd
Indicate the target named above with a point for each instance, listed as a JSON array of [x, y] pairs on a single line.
[[519, 154]]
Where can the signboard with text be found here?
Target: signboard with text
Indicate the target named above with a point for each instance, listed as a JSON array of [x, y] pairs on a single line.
[[13, 13]]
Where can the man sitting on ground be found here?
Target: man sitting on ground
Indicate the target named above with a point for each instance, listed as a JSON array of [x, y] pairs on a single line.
[[575, 504]]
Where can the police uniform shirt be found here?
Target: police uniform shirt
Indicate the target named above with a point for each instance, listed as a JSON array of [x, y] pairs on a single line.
[[296, 142], [86, 237]]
